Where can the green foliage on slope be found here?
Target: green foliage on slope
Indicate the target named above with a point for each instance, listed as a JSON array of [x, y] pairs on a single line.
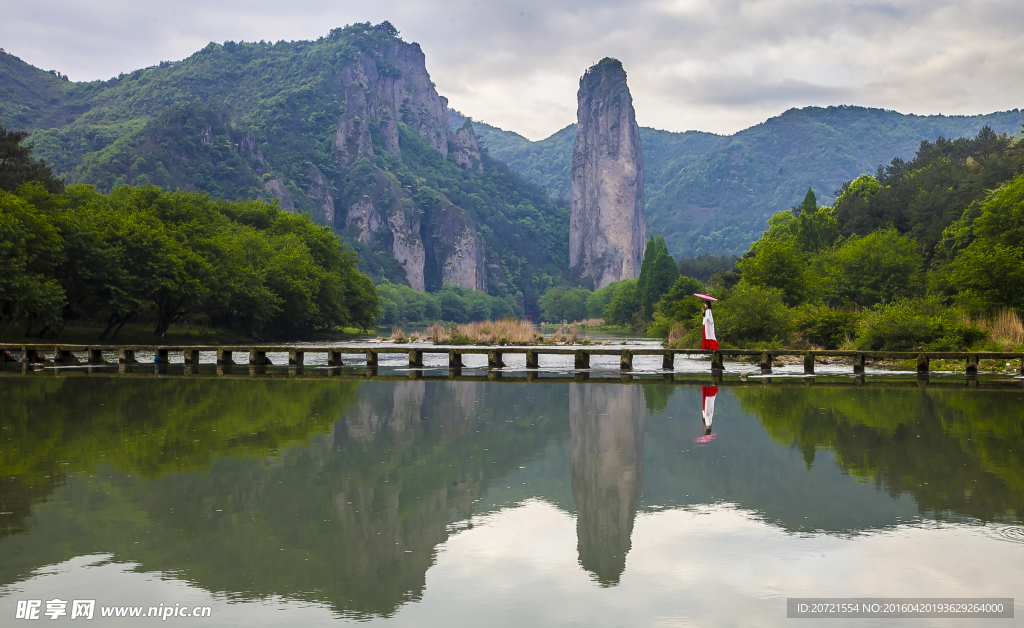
[[712, 194], [145, 253], [257, 121]]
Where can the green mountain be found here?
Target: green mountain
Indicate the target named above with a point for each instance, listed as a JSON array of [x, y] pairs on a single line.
[[713, 194], [348, 128]]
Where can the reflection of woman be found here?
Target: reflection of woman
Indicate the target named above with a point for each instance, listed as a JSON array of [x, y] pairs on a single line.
[[710, 342], [707, 407]]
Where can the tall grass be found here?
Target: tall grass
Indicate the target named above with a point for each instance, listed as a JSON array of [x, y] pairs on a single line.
[[504, 331], [1005, 326]]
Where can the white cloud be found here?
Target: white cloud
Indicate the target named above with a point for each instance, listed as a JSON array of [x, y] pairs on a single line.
[[715, 65]]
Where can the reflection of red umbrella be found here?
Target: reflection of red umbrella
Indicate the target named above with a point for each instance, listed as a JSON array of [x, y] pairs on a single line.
[[706, 297]]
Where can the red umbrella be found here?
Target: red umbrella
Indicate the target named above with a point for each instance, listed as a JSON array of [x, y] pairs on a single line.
[[705, 297]]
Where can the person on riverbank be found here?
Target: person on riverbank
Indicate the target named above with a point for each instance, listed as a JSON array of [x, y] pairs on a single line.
[[710, 342]]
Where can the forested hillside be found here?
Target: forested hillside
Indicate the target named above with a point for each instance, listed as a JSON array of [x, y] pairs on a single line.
[[925, 253], [347, 128], [713, 194]]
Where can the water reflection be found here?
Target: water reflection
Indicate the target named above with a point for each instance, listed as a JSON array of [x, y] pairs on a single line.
[[340, 493], [607, 428]]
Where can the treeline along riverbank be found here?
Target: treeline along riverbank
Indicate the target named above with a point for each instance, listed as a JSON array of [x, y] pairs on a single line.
[[141, 253], [924, 254]]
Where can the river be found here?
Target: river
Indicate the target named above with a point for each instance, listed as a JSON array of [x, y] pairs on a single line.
[[314, 501]]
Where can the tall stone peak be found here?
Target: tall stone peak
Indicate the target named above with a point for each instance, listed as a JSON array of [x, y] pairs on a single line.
[[467, 147], [607, 223]]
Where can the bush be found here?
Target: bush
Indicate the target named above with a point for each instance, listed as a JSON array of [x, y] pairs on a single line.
[[911, 323], [778, 264], [827, 328], [753, 314], [877, 268]]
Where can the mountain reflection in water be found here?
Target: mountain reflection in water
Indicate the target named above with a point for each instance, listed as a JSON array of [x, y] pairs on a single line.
[[341, 492]]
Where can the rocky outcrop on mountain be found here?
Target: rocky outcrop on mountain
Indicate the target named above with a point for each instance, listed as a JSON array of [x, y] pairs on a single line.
[[382, 212], [320, 193], [397, 87], [276, 187], [458, 248], [607, 224], [382, 88], [607, 435], [379, 86], [467, 148], [352, 136]]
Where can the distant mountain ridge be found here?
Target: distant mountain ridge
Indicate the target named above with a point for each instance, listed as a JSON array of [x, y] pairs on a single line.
[[709, 193], [348, 128]]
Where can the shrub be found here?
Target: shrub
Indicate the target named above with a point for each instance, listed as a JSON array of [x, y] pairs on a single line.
[[827, 328], [753, 314], [912, 323]]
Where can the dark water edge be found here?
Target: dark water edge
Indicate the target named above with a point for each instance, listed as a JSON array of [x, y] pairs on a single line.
[[372, 499]]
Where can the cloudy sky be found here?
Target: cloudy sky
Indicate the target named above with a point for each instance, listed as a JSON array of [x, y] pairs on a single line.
[[711, 65]]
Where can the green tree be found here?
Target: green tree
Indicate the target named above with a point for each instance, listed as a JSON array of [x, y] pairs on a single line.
[[777, 264], [989, 273], [877, 268], [810, 202], [624, 307], [17, 167], [558, 304], [658, 272], [678, 303], [753, 314]]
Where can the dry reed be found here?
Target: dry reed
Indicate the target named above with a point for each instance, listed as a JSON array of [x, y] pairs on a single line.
[[397, 335], [1004, 326], [676, 333], [504, 331]]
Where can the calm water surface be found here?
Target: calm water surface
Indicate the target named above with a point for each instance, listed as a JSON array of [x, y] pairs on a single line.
[[440, 503]]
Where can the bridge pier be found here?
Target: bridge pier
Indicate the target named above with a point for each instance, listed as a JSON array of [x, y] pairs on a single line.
[[972, 365], [922, 363], [717, 361], [160, 356], [455, 360], [494, 360], [766, 362], [334, 358], [96, 356], [626, 360], [224, 357], [858, 363], [582, 359], [532, 360], [371, 360], [296, 357], [415, 358], [191, 356], [668, 361], [126, 356], [61, 356], [31, 356], [258, 358], [809, 363]]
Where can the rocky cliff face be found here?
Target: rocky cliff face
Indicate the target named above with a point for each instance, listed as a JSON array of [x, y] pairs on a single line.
[[457, 247], [467, 148], [382, 89], [607, 224]]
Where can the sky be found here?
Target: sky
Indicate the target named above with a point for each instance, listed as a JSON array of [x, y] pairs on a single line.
[[708, 65]]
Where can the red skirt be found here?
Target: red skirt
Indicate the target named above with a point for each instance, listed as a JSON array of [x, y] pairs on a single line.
[[707, 344]]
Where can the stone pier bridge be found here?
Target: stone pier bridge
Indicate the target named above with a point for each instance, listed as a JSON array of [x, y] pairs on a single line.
[[368, 354]]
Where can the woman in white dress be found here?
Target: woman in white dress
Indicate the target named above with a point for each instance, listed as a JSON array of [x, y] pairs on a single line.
[[710, 342]]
